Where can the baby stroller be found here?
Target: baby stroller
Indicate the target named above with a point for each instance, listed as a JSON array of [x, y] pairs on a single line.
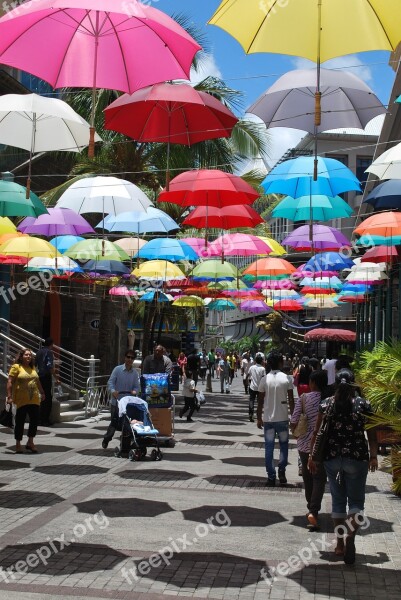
[[137, 431]]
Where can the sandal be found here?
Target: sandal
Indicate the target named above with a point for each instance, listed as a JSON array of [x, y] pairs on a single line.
[[31, 449], [349, 554]]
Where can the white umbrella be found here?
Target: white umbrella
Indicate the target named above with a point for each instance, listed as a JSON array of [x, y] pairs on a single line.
[[60, 263], [388, 165], [41, 124], [131, 245], [106, 195]]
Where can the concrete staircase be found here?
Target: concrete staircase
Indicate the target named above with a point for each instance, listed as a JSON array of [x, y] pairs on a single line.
[[65, 410]]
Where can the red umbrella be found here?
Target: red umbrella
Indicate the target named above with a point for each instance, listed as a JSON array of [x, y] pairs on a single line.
[[208, 187], [229, 217], [170, 114], [287, 305], [335, 335], [380, 254]]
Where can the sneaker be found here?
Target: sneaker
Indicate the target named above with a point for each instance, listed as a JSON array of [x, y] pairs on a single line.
[[105, 443], [282, 478], [271, 482]]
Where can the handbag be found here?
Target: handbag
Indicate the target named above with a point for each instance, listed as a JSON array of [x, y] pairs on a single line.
[[322, 436], [200, 397], [302, 425], [6, 417]]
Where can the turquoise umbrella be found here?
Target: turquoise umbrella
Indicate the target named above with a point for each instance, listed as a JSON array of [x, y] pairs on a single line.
[[379, 240], [221, 305], [154, 295], [315, 208]]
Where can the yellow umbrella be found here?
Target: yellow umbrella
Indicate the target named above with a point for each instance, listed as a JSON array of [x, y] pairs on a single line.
[[28, 247], [158, 270], [7, 226], [188, 301], [277, 248]]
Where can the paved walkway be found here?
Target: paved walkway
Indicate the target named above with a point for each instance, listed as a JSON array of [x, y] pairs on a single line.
[[78, 522]]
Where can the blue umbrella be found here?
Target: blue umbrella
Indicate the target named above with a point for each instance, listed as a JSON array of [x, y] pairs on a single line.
[[64, 242], [167, 249], [378, 240], [355, 288], [385, 195], [154, 295], [295, 178], [106, 266], [221, 305], [152, 220], [324, 208], [328, 261]]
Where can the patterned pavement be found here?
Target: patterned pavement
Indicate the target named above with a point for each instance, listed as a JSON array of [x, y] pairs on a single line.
[[78, 522]]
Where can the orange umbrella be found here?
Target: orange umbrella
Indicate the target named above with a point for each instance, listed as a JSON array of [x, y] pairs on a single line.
[[387, 224], [270, 266]]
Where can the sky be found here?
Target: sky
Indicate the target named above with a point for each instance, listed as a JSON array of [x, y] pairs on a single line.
[[253, 74]]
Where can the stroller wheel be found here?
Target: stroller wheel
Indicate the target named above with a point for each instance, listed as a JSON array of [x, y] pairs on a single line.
[[156, 454], [143, 452], [134, 454], [117, 452]]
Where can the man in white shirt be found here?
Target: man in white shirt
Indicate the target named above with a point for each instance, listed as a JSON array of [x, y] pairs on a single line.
[[274, 398], [330, 367], [255, 374], [246, 363]]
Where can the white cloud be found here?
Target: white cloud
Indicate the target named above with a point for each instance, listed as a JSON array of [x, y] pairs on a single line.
[[282, 139], [207, 68], [350, 63]]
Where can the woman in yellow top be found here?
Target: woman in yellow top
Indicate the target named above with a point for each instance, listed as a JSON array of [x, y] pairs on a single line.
[[25, 391]]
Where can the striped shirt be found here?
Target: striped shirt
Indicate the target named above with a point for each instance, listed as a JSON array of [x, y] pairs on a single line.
[[311, 407]]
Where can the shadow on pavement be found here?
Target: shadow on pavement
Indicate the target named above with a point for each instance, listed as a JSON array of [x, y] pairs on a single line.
[[80, 436], [240, 516], [21, 499], [71, 470], [224, 433], [186, 457], [125, 507], [203, 442], [245, 461], [152, 474], [10, 465]]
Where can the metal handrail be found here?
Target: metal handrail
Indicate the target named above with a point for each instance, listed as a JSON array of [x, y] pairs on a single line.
[[97, 395]]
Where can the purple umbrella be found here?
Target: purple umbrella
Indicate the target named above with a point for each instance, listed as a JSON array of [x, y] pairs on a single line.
[[255, 306], [59, 221], [275, 284], [325, 239]]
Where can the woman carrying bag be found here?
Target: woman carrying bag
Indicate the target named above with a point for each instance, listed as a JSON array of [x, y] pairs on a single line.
[[347, 457], [24, 390]]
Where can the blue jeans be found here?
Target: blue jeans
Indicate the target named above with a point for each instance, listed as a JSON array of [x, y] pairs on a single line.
[[271, 429], [347, 479]]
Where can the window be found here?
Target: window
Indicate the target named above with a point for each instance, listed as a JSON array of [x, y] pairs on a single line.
[[362, 163]]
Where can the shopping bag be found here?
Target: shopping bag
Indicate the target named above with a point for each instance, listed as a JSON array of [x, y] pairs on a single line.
[[6, 417], [200, 397]]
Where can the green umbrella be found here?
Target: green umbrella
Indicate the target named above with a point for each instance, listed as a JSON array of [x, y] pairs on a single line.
[[214, 269], [96, 249], [13, 201]]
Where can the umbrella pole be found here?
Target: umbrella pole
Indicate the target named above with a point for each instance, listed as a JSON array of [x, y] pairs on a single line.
[[91, 147], [33, 136]]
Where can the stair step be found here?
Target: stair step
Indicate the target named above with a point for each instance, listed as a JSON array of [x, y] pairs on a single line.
[[67, 405], [71, 415]]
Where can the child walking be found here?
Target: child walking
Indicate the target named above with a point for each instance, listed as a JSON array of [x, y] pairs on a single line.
[[189, 390]]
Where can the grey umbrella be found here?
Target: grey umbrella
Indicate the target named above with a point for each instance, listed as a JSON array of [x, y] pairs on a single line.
[[346, 101]]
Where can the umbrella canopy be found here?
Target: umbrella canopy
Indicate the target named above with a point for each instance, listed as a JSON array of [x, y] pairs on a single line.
[[346, 101], [334, 335], [58, 221], [378, 240], [274, 284], [386, 195], [386, 224], [131, 245], [59, 263], [269, 266], [255, 306], [312, 208], [214, 269], [277, 249], [122, 290], [208, 187], [229, 217], [294, 28], [324, 239], [238, 244], [324, 302], [152, 220], [28, 247], [64, 242], [158, 270], [106, 195], [198, 245], [328, 261], [39, 124], [114, 267], [167, 249], [221, 305], [378, 254], [288, 305], [96, 249], [388, 164], [142, 44], [155, 296], [6, 226], [295, 177], [170, 113], [188, 301], [14, 203]]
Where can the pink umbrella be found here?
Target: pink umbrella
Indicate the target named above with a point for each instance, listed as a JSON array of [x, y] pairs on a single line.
[[112, 44], [58, 221], [255, 306], [122, 290], [197, 244], [238, 244]]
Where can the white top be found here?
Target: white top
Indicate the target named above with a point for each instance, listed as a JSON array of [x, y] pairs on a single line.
[[245, 366], [255, 374], [330, 367], [188, 387], [275, 385]]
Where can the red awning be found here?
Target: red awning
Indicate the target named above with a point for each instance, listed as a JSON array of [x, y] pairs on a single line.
[[332, 335]]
